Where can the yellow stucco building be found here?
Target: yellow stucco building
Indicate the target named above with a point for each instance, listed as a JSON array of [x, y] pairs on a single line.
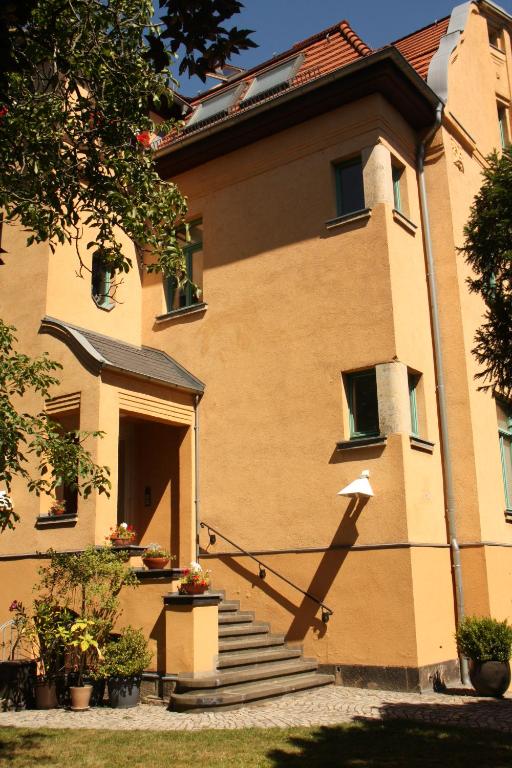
[[328, 190]]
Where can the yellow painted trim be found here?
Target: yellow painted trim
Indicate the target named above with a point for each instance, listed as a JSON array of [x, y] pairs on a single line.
[[63, 403], [156, 407]]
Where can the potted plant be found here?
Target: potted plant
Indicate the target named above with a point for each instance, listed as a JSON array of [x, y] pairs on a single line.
[[195, 580], [124, 660], [41, 636], [487, 643], [122, 535], [57, 508], [81, 641], [155, 556], [88, 584]]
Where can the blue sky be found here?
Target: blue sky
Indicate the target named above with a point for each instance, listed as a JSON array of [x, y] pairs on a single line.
[[278, 24]]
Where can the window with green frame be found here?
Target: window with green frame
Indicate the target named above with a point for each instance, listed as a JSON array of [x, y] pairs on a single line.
[[504, 413], [101, 284], [363, 404], [349, 186], [503, 126], [396, 172], [178, 297], [413, 384]]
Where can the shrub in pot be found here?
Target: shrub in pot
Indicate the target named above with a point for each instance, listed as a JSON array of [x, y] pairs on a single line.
[[124, 661], [38, 633], [82, 644], [487, 643]]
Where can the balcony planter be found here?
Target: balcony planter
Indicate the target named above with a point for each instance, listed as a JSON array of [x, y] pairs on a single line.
[[155, 563], [192, 589]]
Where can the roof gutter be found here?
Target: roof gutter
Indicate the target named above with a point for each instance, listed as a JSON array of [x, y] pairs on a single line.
[[497, 9], [446, 456]]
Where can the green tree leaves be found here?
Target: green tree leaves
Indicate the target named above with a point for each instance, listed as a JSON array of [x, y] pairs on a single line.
[[33, 446], [488, 249]]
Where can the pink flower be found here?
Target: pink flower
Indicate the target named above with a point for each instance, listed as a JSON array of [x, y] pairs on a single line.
[[14, 606]]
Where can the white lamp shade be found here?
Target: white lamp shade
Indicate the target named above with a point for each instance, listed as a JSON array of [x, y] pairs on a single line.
[[359, 487]]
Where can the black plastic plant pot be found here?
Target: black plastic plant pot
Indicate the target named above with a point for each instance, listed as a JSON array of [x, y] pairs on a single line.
[[16, 684], [124, 692], [490, 678]]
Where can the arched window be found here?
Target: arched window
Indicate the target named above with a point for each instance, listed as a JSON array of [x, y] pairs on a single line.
[[101, 284]]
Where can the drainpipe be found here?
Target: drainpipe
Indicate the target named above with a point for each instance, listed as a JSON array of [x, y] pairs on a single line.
[[196, 473], [441, 392]]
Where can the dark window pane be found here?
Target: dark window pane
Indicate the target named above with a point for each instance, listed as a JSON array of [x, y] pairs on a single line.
[[349, 187], [365, 412]]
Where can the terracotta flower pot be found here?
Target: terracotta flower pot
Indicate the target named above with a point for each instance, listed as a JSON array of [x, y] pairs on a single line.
[[121, 542], [490, 678], [80, 697], [192, 589], [45, 694], [153, 563]]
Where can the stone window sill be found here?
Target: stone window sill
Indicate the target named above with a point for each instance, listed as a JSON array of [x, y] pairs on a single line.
[[420, 444], [177, 313], [348, 218], [361, 442], [161, 574], [404, 222], [56, 521]]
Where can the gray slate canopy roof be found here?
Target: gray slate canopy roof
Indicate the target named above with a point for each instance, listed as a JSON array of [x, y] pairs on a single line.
[[98, 352]]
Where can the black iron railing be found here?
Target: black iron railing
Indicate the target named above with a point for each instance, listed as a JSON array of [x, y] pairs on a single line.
[[263, 568]]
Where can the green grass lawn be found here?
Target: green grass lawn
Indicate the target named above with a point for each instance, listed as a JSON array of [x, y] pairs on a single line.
[[367, 744]]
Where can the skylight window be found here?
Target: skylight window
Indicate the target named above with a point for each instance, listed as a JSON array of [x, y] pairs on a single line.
[[215, 107], [273, 80]]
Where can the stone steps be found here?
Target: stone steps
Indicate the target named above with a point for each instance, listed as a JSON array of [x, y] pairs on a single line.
[[237, 695], [244, 629], [249, 673], [235, 617], [257, 655], [253, 665], [242, 643]]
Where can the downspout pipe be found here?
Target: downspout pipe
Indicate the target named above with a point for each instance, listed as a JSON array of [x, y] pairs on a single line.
[[197, 502], [450, 502]]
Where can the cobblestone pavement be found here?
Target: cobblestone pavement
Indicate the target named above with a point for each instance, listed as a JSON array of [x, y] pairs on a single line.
[[325, 706]]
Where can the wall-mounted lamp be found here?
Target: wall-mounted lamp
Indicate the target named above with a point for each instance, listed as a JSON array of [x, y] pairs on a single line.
[[147, 496], [359, 487]]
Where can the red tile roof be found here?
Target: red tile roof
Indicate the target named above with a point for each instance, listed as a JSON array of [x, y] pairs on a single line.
[[420, 46], [327, 51]]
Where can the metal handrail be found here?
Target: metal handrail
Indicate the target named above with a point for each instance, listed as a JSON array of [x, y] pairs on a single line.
[[263, 568], [6, 643]]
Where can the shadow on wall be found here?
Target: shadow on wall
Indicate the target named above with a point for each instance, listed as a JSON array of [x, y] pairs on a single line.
[[305, 615], [375, 744]]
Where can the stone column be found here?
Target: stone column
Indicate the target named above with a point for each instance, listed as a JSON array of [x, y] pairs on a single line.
[[377, 176], [191, 634], [393, 398]]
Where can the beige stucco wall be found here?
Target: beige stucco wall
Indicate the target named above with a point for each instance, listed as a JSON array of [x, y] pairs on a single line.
[[291, 307]]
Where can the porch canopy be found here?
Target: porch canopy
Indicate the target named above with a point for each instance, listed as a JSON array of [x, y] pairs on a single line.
[[144, 403], [98, 352]]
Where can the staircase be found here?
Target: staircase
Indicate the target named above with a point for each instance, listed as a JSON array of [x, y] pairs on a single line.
[[254, 665]]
